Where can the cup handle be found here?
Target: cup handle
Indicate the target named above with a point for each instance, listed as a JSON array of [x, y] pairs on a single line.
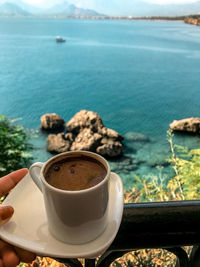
[[34, 172]]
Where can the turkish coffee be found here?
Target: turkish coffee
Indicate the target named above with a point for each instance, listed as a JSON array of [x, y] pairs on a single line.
[[75, 173]]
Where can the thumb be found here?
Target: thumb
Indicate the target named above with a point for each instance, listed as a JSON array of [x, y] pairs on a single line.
[[6, 213]]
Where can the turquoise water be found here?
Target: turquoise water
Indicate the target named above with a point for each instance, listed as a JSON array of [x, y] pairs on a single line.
[[138, 75]]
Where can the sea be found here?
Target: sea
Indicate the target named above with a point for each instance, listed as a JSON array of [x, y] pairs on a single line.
[[138, 76]]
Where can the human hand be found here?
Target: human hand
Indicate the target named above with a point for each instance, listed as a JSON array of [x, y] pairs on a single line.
[[10, 256]]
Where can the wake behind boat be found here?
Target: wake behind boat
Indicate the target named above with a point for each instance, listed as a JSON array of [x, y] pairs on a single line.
[[59, 39]]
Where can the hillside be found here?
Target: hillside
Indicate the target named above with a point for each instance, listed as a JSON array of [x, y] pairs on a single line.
[[193, 19], [10, 9], [64, 9]]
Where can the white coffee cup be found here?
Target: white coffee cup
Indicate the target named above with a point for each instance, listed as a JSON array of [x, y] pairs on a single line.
[[74, 217]]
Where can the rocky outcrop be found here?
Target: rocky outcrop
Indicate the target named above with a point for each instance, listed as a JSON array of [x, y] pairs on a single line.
[[110, 134], [51, 122], [59, 143], [86, 140], [85, 131], [84, 119], [190, 125], [111, 149], [190, 20]]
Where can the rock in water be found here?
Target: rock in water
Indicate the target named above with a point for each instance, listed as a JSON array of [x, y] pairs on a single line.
[[86, 140], [190, 125], [58, 143], [85, 131], [84, 119], [110, 134], [114, 149], [51, 122]]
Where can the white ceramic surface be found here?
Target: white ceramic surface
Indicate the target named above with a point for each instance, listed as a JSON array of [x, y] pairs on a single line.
[[79, 216], [28, 227]]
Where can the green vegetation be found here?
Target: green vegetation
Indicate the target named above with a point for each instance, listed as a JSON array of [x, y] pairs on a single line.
[[186, 181], [165, 18], [185, 184], [187, 171], [194, 16], [14, 147]]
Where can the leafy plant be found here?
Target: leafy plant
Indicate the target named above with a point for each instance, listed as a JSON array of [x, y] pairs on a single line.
[[14, 147], [146, 258], [186, 164], [185, 184]]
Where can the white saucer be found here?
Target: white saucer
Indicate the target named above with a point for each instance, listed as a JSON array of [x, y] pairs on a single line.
[[28, 227]]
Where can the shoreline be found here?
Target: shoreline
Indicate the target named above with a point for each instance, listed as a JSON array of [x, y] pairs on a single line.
[[159, 18]]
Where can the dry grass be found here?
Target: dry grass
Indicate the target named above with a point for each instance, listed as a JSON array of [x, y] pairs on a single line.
[[44, 262], [140, 258]]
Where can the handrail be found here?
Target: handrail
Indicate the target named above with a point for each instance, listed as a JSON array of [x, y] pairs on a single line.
[[169, 225], [159, 224]]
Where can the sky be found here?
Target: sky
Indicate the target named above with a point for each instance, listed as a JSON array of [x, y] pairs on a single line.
[[92, 3], [127, 7]]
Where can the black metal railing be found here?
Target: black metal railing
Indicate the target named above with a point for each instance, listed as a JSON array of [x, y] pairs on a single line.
[[169, 225]]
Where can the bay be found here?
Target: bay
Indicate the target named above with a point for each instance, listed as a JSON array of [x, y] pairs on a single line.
[[138, 75]]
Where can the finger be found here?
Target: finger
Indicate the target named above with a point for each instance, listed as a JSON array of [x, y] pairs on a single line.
[[1, 263], [9, 181], [24, 255], [8, 255], [6, 213]]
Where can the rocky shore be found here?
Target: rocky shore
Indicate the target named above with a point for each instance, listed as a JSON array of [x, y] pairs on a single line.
[[85, 131], [188, 125], [191, 20], [134, 153]]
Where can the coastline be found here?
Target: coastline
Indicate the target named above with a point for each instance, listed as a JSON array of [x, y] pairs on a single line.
[[130, 18], [195, 20], [129, 69]]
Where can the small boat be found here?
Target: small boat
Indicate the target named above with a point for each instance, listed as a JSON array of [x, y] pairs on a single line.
[[60, 39]]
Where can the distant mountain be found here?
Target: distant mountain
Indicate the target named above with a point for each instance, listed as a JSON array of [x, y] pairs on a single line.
[[67, 9], [20, 8], [22, 5], [136, 8], [142, 8], [10, 9]]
